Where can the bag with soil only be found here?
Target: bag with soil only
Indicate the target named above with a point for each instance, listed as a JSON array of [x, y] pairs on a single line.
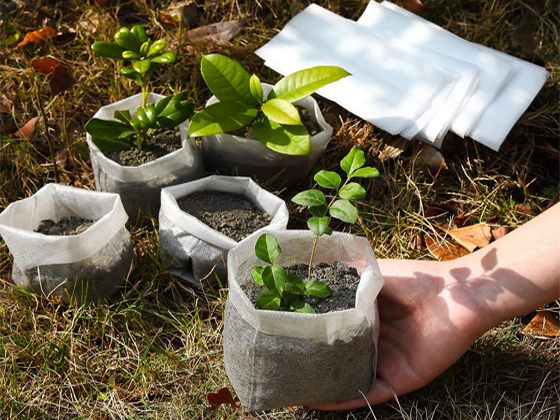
[[140, 186], [89, 265], [191, 249], [227, 154], [278, 359]]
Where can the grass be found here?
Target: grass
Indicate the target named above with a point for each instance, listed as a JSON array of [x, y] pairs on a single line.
[[155, 351]]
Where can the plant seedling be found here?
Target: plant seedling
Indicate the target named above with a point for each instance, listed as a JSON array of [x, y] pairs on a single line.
[[280, 289], [275, 121], [341, 205]]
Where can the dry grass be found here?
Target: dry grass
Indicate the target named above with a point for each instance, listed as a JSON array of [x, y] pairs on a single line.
[[155, 351]]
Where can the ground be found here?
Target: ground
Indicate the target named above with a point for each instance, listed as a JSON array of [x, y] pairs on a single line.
[[155, 351]]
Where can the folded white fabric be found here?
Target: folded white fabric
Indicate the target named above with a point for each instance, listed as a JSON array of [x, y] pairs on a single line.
[[389, 87]]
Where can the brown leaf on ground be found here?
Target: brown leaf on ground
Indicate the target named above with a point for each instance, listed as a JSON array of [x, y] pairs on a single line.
[[444, 251], [62, 160], [216, 399], [185, 12], [8, 128], [26, 131], [544, 324], [414, 6], [393, 149], [432, 158], [499, 232], [46, 65], [524, 208], [58, 76], [217, 32], [39, 35], [472, 237]]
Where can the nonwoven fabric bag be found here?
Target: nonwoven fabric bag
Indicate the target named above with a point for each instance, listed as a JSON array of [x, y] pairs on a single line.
[[140, 186], [193, 250], [227, 154], [276, 358], [92, 264]]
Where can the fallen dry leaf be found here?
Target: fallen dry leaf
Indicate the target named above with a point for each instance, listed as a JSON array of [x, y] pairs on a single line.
[[444, 251], [414, 6], [217, 32], [544, 324], [472, 237], [216, 399], [62, 160], [185, 12], [524, 208], [58, 76], [46, 65], [39, 35], [432, 158], [26, 131], [499, 232], [8, 128], [393, 148]]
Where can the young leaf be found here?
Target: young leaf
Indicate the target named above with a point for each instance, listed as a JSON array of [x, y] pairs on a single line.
[[310, 198], [318, 211], [111, 145], [286, 139], [130, 55], [344, 210], [129, 72], [175, 114], [221, 117], [281, 111], [303, 83], [127, 40], [318, 225], [353, 160], [267, 248], [366, 172], [301, 307], [105, 129], [317, 288], [140, 33], [269, 302], [108, 49], [165, 58], [274, 278], [123, 115], [294, 285], [352, 191], [328, 179], [156, 47], [142, 66], [256, 274], [226, 79], [256, 88]]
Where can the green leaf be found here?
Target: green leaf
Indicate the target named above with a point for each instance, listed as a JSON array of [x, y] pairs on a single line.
[[310, 198], [318, 211], [221, 117], [353, 160], [11, 39], [140, 33], [144, 48], [130, 55], [145, 117], [352, 191], [281, 111], [128, 40], [267, 248], [175, 114], [127, 133], [269, 302], [129, 72], [226, 79], [344, 210], [135, 122], [123, 115], [294, 285], [366, 172], [160, 105], [328, 179], [165, 58], [318, 225], [286, 139], [301, 307], [303, 83], [156, 47], [142, 66], [317, 288], [111, 145], [108, 49], [256, 88], [105, 129], [274, 278], [256, 274]]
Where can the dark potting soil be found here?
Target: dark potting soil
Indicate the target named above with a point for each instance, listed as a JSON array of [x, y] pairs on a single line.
[[229, 214], [342, 279], [66, 226], [307, 118], [162, 142]]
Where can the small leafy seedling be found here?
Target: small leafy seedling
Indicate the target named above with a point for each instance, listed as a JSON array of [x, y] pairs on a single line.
[[280, 289], [341, 205], [275, 121]]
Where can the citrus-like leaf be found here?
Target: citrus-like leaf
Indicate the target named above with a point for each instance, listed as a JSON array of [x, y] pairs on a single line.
[[328, 179], [286, 139], [303, 83], [156, 47], [175, 114], [366, 172], [267, 248], [161, 104], [310, 198], [221, 117], [105, 129], [301, 307], [108, 49], [281, 111], [353, 160], [142, 66], [256, 274], [352, 191], [226, 79], [140, 33], [269, 302], [256, 88], [318, 211], [127, 40], [111, 145], [317, 288], [318, 225], [294, 286], [165, 58], [344, 210], [274, 278]]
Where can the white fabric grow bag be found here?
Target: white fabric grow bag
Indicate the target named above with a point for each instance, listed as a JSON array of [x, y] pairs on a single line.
[[98, 258], [227, 154], [140, 186], [277, 359], [194, 251]]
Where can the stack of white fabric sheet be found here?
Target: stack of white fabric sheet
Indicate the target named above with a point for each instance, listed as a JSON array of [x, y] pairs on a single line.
[[409, 76]]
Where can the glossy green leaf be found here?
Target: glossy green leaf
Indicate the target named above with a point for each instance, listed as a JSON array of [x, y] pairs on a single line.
[[352, 191], [316, 288], [267, 248], [144, 48], [130, 55], [145, 120], [269, 302], [127, 133], [123, 115], [274, 278], [256, 88], [344, 210], [108, 49], [227, 79], [140, 33], [286, 139], [127, 40], [105, 129], [318, 225], [151, 113], [160, 105], [221, 117], [301, 307], [175, 114], [303, 83], [294, 285], [165, 58], [310, 198], [131, 74], [353, 160], [142, 66], [328, 179], [111, 145], [135, 122], [157, 46], [256, 274], [366, 172], [281, 111], [318, 211]]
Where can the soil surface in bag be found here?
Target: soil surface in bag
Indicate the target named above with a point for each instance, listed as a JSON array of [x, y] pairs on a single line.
[[230, 214], [342, 279], [162, 142], [307, 118], [66, 226]]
